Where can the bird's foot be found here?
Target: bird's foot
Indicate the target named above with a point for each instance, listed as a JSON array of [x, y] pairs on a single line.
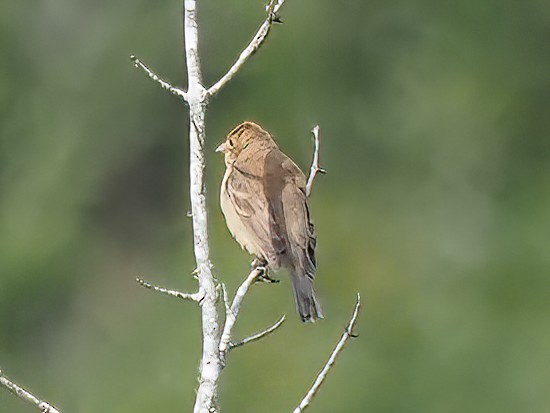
[[261, 265], [257, 262], [264, 277]]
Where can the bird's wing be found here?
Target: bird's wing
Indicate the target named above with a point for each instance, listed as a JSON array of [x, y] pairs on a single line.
[[300, 230], [246, 192], [269, 198]]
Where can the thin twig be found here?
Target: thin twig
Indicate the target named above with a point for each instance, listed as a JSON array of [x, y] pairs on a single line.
[[233, 311], [323, 374], [258, 39], [258, 336], [198, 296], [315, 168], [163, 84], [20, 392]]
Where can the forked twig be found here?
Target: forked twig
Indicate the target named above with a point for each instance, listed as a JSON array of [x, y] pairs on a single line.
[[323, 374]]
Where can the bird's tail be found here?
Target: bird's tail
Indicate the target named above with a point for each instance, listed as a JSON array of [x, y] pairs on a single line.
[[307, 304]]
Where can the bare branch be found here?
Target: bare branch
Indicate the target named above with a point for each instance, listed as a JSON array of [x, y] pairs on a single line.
[[226, 299], [258, 39], [323, 374], [163, 84], [20, 392], [258, 336], [233, 311], [315, 168], [198, 296], [206, 400]]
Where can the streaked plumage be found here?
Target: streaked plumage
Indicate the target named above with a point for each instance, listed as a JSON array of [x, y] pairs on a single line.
[[265, 206]]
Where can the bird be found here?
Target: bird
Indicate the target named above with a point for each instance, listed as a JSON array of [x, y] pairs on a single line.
[[263, 199]]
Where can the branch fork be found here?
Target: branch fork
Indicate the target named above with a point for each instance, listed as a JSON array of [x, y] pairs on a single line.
[[232, 311], [272, 10]]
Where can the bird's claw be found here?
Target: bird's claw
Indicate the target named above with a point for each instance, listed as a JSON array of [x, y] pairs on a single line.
[[264, 277], [256, 263]]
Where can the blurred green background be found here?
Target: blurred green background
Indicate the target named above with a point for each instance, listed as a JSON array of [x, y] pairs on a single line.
[[435, 119]]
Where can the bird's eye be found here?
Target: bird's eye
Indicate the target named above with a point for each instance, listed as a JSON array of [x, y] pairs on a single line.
[[231, 142]]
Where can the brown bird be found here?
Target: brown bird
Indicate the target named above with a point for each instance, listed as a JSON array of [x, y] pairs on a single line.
[[263, 199]]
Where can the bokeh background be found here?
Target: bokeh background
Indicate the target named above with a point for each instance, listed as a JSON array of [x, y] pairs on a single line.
[[435, 119]]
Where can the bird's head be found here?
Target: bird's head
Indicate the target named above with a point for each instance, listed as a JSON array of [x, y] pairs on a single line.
[[244, 136]]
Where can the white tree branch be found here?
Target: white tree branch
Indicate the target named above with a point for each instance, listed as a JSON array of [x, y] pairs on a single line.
[[257, 336], [198, 296], [163, 84], [233, 311], [20, 392], [210, 366], [332, 359], [315, 168], [258, 39]]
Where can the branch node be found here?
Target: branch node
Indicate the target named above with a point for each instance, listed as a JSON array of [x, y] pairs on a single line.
[[271, 13]]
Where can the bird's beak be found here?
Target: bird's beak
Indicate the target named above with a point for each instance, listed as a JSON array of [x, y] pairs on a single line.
[[222, 148]]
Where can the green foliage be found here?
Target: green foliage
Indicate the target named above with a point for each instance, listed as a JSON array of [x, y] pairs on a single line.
[[434, 122]]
